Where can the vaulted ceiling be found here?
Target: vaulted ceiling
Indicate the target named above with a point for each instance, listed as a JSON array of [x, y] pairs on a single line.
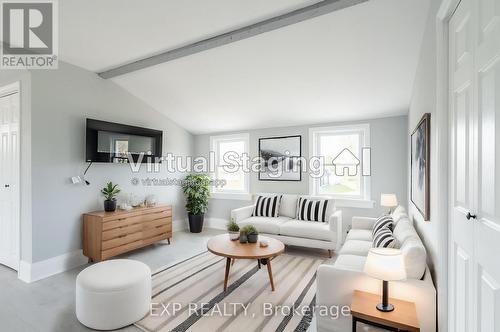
[[352, 64]]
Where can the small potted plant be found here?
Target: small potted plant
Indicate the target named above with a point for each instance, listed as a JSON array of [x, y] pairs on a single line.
[[243, 236], [196, 187], [251, 233], [234, 230], [110, 192]]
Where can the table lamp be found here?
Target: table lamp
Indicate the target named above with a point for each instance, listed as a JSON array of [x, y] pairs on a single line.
[[386, 264], [388, 200]]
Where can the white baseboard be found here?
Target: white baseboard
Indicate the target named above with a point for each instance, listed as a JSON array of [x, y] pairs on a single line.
[[31, 272], [215, 223], [179, 225]]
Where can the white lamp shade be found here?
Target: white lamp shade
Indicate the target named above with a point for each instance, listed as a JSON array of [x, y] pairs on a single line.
[[389, 200], [385, 264]]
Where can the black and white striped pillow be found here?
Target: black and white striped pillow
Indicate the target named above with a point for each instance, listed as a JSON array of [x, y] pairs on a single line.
[[384, 239], [267, 206], [312, 210], [383, 221]]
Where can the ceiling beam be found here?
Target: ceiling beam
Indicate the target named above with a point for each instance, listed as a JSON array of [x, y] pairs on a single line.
[[293, 17]]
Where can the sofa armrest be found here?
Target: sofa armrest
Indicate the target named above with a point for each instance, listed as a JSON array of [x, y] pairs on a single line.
[[335, 287], [363, 222], [241, 213], [336, 226]]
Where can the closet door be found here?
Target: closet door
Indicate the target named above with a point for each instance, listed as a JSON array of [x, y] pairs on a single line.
[[487, 198], [9, 178], [461, 250]]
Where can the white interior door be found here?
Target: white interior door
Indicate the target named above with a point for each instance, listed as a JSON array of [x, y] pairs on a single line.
[[474, 68], [9, 177], [487, 204], [461, 69]]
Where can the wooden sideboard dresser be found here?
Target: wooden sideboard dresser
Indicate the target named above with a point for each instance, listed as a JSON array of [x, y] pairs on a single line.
[[108, 234]]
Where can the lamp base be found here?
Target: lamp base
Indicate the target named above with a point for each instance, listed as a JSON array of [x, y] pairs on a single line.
[[385, 308]]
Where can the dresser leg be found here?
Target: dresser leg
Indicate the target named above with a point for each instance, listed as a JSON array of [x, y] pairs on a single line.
[[329, 253], [90, 260], [168, 240]]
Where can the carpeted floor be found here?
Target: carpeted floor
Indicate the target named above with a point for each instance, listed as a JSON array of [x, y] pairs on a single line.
[[189, 296]]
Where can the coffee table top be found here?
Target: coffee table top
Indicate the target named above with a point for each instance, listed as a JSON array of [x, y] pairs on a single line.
[[221, 245]]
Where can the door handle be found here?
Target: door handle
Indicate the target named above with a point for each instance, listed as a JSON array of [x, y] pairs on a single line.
[[470, 216]]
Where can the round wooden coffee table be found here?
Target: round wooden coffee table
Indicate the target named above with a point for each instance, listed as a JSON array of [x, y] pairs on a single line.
[[221, 245]]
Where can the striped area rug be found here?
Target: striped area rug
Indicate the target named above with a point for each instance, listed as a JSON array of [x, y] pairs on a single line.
[[188, 296]]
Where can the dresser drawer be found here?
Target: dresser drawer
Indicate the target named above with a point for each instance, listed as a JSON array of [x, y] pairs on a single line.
[[122, 240], [121, 231], [152, 232], [121, 249], [126, 221]]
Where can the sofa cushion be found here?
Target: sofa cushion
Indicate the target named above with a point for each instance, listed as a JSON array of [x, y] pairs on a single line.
[[350, 262], [359, 234], [313, 210], [412, 248], [398, 213], [383, 221], [288, 204], [404, 230], [267, 206], [331, 202], [356, 247], [307, 229], [265, 224], [415, 257], [384, 239]]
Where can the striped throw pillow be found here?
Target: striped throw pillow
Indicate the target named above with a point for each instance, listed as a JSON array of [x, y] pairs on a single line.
[[312, 210], [384, 239], [383, 221], [267, 206]]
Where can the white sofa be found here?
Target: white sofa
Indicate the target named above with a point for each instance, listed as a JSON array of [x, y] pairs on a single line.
[[295, 232], [336, 283]]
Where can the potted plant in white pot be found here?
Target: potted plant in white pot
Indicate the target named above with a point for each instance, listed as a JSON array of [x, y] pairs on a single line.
[[196, 187], [234, 230], [110, 192]]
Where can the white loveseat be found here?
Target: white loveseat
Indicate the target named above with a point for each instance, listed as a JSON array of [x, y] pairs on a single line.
[[312, 234], [336, 283]]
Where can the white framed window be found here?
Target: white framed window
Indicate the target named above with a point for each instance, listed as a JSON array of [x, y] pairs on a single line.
[[345, 154], [223, 149]]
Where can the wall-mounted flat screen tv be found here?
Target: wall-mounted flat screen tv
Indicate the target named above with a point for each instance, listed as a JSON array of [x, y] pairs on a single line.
[[108, 142]]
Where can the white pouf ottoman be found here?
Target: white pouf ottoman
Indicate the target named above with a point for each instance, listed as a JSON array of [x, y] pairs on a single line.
[[113, 294]]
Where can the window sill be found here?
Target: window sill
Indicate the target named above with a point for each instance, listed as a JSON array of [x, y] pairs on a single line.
[[354, 203], [233, 196]]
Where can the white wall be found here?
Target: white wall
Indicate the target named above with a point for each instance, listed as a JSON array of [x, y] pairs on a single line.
[[61, 100], [388, 138], [424, 101]]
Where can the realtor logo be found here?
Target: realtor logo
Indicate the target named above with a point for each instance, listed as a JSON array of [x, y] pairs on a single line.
[[29, 34]]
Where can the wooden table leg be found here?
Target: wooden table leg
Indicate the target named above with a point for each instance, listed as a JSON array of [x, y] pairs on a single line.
[[226, 276], [270, 272], [354, 324], [258, 263]]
